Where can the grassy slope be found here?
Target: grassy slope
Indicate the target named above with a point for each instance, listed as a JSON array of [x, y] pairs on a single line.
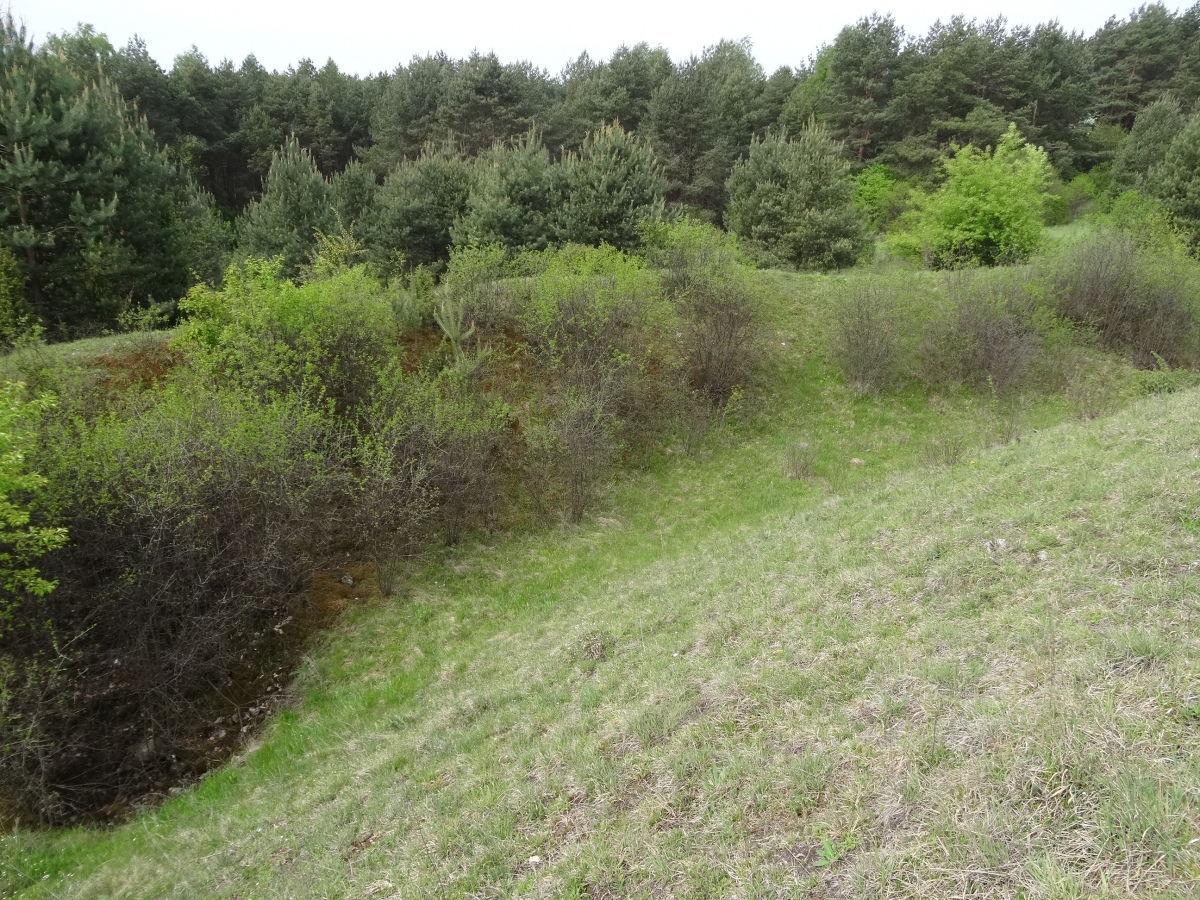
[[729, 684]]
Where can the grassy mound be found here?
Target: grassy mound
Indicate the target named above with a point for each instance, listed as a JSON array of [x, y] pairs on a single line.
[[882, 679]]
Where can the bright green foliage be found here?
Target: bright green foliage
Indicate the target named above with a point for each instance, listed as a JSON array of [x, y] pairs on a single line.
[[1155, 128], [881, 195], [609, 187], [988, 211], [324, 339], [415, 210], [87, 204], [515, 199], [16, 317], [1177, 180], [791, 202], [296, 203], [1145, 219], [334, 254], [20, 542]]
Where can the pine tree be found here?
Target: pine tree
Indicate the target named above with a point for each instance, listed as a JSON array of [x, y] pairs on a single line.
[[354, 192], [296, 204], [415, 209], [205, 238], [701, 119], [791, 201], [88, 205], [1176, 181], [610, 187], [1153, 131], [862, 74], [515, 198]]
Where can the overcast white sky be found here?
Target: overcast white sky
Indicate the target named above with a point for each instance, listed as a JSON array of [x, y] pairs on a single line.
[[367, 36]]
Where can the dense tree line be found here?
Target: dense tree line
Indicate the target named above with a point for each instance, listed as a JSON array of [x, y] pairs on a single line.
[[892, 96], [442, 151]]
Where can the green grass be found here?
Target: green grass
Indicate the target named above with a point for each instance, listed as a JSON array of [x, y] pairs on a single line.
[[891, 679], [82, 354], [1071, 231]]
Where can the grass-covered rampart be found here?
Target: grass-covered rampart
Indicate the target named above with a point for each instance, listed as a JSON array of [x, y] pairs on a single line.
[[916, 642]]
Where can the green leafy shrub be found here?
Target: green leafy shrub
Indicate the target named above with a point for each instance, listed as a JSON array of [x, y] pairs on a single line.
[[325, 339], [881, 195], [1146, 221], [988, 211], [194, 515], [442, 440], [21, 541], [16, 315], [289, 436]]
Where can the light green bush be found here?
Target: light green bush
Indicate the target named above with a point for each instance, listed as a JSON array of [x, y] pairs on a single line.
[[326, 339], [988, 211], [22, 541], [881, 195]]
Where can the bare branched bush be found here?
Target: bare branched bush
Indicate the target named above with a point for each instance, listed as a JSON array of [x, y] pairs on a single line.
[[702, 277], [484, 283], [697, 423], [719, 328], [585, 343], [800, 460], [867, 341], [991, 338], [949, 450], [586, 431], [1137, 300], [1095, 389], [193, 522], [594, 325]]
